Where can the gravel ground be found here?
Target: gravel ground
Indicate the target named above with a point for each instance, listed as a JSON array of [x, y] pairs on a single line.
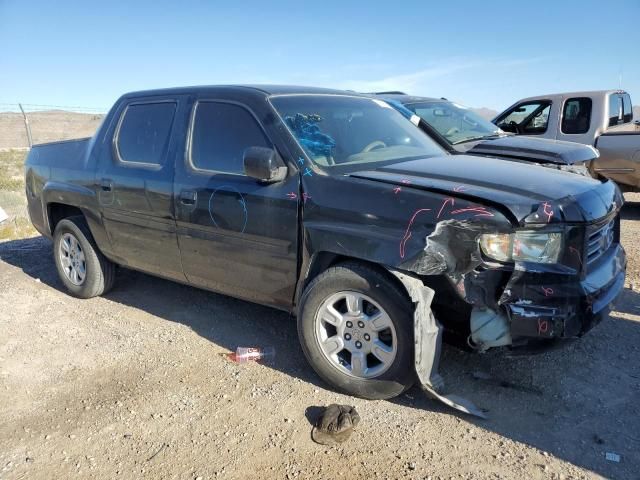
[[135, 385]]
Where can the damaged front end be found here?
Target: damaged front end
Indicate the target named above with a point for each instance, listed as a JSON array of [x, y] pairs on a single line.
[[550, 278], [520, 292]]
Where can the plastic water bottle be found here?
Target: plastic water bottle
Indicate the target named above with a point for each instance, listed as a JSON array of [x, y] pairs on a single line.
[[252, 354]]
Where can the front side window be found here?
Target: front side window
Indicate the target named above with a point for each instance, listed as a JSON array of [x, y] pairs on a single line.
[[144, 132], [220, 134], [616, 110], [576, 116], [528, 118], [342, 131], [457, 124]]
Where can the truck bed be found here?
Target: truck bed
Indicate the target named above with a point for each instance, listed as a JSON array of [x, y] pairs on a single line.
[[620, 156], [67, 161], [63, 154]]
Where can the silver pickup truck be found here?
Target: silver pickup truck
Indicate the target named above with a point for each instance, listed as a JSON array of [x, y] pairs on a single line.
[[603, 119]]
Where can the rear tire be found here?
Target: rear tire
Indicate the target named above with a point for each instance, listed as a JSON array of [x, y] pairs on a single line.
[[356, 329], [85, 272]]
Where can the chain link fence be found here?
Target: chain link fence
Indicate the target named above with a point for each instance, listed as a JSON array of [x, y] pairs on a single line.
[[22, 125]]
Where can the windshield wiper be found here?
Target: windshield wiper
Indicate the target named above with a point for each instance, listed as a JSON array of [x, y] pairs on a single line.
[[479, 137]]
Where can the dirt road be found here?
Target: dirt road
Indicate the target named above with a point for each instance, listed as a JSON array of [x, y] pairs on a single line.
[[133, 385]]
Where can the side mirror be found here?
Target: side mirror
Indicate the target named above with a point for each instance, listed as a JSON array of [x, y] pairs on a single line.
[[264, 164]]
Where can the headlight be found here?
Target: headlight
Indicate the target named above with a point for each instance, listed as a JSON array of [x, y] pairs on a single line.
[[497, 246], [523, 246]]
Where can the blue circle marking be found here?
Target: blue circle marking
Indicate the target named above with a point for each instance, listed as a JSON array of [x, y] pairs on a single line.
[[241, 201]]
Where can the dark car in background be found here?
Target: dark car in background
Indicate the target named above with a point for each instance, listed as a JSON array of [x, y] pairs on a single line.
[[461, 130]]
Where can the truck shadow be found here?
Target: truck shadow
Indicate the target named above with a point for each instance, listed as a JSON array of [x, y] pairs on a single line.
[[630, 210], [575, 403]]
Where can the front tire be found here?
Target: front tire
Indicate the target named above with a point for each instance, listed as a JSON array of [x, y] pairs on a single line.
[[356, 329], [85, 272]]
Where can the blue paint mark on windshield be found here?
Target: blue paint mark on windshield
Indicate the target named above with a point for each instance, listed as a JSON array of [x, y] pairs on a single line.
[[309, 135]]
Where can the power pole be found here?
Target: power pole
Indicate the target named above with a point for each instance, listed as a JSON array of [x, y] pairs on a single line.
[[26, 126]]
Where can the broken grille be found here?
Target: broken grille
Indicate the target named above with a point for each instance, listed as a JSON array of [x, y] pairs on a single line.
[[599, 241]]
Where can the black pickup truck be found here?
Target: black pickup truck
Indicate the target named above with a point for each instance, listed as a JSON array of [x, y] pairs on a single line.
[[334, 207]]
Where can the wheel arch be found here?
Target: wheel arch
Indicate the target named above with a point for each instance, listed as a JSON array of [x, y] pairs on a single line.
[[63, 200], [322, 261], [58, 211]]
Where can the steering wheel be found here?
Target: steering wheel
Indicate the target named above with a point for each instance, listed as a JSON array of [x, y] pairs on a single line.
[[452, 131], [373, 145], [515, 126]]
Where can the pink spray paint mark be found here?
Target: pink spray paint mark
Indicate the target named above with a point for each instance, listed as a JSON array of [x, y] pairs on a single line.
[[407, 233], [292, 195], [305, 197], [480, 211], [460, 188], [548, 211], [547, 291], [543, 326], [397, 190], [446, 200]]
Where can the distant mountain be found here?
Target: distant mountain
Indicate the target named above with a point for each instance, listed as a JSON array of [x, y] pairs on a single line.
[[485, 112]]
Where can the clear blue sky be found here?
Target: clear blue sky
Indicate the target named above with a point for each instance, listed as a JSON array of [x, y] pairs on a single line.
[[483, 54]]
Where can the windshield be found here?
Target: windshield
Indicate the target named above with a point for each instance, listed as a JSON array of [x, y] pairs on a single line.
[[457, 124], [339, 130]]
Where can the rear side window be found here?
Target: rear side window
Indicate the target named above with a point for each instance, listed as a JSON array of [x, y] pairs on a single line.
[[220, 134], [144, 132], [576, 116], [616, 110]]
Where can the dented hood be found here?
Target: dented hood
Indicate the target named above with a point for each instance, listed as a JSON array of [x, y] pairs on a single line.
[[540, 150], [519, 187]]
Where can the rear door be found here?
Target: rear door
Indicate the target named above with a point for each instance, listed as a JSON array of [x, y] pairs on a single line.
[[135, 185], [236, 235]]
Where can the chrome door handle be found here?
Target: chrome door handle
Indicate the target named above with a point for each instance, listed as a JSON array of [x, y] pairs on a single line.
[[106, 185], [188, 197]]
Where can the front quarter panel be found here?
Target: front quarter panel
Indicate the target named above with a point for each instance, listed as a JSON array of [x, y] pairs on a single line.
[[424, 232]]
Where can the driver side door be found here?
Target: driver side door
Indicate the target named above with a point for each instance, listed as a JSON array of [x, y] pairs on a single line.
[[237, 236]]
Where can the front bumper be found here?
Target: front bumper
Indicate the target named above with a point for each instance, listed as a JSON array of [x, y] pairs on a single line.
[[556, 305]]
